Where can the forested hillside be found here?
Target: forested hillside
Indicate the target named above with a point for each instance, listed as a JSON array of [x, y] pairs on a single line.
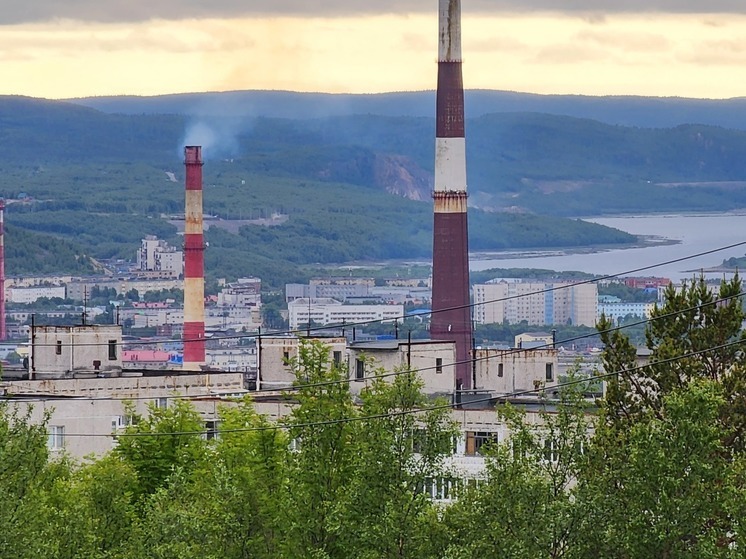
[[104, 181], [348, 187]]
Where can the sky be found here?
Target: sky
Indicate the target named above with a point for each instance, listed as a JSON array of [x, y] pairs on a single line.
[[75, 48]]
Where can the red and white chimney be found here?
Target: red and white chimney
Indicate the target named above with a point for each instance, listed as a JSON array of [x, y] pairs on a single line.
[[194, 263], [451, 318]]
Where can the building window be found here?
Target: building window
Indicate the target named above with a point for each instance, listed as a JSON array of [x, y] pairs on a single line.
[[337, 357], [359, 369], [438, 365], [500, 370], [212, 430], [285, 356], [161, 403], [550, 372], [58, 349], [112, 350], [477, 442], [550, 451], [56, 439]]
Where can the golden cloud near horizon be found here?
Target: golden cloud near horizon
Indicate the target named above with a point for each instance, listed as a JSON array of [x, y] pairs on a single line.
[[645, 54]]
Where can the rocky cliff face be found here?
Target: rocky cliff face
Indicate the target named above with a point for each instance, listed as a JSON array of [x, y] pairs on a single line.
[[396, 174], [401, 176]]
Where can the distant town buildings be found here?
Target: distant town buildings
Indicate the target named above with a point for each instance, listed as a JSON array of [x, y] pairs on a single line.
[[646, 283], [245, 293], [400, 291]]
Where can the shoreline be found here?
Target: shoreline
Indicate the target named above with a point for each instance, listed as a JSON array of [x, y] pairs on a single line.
[[644, 241]]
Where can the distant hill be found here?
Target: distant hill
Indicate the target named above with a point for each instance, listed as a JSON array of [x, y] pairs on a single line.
[[100, 182], [647, 112], [518, 162]]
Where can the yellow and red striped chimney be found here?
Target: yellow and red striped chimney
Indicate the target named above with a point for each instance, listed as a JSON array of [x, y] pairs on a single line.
[[194, 263]]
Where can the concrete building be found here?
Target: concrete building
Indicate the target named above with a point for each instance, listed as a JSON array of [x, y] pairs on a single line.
[[38, 281], [28, 295], [277, 353], [246, 292], [514, 301], [339, 292], [150, 359], [434, 361], [331, 311], [343, 280], [69, 351], [156, 255], [95, 407], [78, 289], [530, 340], [514, 371]]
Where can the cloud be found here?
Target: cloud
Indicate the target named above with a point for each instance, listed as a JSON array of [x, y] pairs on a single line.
[[141, 10]]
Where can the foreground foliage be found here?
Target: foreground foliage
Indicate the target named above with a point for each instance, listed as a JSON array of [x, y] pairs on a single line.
[[656, 470]]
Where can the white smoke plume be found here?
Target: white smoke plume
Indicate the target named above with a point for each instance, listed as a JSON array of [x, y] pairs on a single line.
[[218, 136]]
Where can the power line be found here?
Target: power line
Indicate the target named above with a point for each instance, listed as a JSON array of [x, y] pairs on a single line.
[[348, 380], [344, 326], [399, 413]]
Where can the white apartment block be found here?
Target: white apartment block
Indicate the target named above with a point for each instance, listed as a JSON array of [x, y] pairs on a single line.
[[330, 311], [31, 294], [156, 255], [514, 301]]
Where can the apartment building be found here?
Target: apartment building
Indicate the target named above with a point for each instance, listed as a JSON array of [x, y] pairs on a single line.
[[331, 311], [513, 301], [156, 255]]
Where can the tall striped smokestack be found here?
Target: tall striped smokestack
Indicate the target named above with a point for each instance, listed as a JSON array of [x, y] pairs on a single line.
[[194, 263], [3, 332], [451, 318]]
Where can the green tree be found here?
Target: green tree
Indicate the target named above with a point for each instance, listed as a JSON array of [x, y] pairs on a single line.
[[665, 486], [695, 334], [168, 439], [526, 505], [386, 510], [242, 489], [321, 467], [26, 477]]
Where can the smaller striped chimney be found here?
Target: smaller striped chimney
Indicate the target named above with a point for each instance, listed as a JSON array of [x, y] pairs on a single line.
[[194, 263]]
